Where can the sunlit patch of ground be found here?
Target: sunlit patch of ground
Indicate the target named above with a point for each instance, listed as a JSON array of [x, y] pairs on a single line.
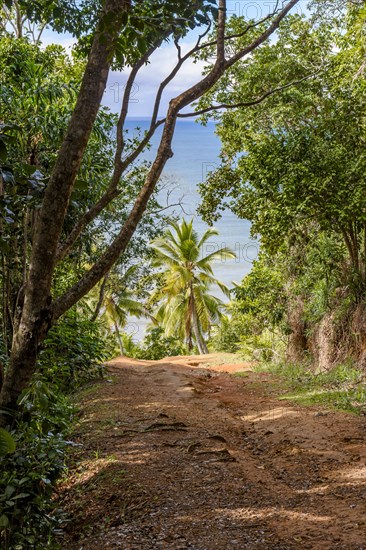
[[180, 454]]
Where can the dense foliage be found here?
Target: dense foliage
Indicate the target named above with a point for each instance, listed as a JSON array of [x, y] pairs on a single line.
[[156, 345], [294, 165], [38, 92], [74, 353]]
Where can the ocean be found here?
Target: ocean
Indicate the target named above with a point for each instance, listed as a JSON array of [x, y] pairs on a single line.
[[196, 152]]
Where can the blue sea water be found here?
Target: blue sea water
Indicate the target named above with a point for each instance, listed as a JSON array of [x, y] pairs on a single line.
[[196, 152]]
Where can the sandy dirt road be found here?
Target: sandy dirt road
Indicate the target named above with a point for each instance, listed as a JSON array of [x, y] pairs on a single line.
[[178, 455]]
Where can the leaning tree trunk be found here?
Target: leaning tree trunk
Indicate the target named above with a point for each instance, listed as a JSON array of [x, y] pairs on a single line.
[[119, 339], [201, 344], [35, 313], [98, 307]]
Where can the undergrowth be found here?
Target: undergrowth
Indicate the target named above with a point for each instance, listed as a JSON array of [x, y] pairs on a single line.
[[342, 388], [29, 517]]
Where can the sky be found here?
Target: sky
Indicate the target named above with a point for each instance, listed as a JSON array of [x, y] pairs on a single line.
[[162, 61]]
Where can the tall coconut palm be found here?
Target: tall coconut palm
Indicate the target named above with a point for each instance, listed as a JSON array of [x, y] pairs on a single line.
[[187, 309]]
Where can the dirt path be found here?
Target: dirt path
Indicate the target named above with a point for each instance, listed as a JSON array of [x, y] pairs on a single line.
[[180, 456]]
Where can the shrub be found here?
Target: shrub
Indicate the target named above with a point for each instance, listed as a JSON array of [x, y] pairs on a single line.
[[74, 351], [228, 335], [157, 346], [72, 354], [28, 517], [264, 348]]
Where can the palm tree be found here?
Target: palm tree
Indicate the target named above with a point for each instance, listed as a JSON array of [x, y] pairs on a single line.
[[116, 302], [187, 309]]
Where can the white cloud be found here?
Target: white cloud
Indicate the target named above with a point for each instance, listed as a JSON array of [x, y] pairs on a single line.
[[66, 40], [149, 79]]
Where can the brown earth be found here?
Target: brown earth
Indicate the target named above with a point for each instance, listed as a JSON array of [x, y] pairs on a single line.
[[179, 454]]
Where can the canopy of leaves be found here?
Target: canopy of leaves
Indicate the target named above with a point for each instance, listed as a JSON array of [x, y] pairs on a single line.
[[300, 155]]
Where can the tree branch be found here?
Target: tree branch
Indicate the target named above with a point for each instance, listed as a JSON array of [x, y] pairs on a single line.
[[172, 75], [221, 26], [159, 210], [127, 95], [264, 36], [245, 103], [119, 166], [245, 31], [121, 241]]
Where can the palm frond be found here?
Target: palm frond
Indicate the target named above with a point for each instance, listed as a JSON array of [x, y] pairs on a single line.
[[222, 254], [211, 232]]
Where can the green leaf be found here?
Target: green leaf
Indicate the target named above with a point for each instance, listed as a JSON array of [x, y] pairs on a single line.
[[6, 127], [124, 18], [7, 443], [5, 249], [4, 522], [81, 185], [28, 169], [141, 44], [8, 176], [202, 19], [9, 491], [21, 495], [215, 13], [6, 138]]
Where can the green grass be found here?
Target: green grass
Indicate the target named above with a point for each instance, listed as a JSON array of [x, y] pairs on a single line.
[[342, 388]]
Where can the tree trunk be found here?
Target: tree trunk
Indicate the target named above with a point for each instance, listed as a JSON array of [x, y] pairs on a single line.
[[100, 299], [364, 252], [18, 19], [36, 314], [201, 344], [119, 339]]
